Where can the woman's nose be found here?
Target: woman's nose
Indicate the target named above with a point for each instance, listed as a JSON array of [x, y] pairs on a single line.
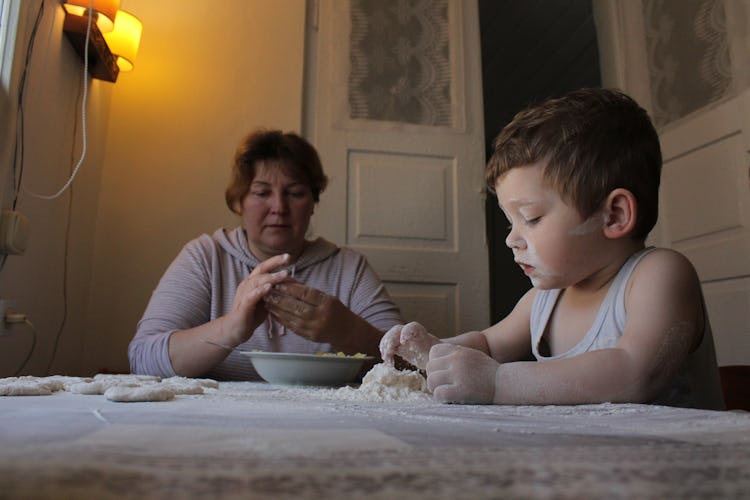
[[279, 203]]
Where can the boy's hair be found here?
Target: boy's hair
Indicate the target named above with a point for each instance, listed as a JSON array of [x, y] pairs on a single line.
[[593, 141]]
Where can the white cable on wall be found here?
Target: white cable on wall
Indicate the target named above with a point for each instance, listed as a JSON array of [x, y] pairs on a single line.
[[83, 118]]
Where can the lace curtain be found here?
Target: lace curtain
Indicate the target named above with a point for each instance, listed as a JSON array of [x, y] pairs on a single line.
[[689, 59], [400, 61]]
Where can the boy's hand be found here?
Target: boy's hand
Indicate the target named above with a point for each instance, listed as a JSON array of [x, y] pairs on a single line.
[[457, 374], [412, 342]]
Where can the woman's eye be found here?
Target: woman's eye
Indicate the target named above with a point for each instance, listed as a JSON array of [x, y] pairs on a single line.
[[297, 194], [261, 194]]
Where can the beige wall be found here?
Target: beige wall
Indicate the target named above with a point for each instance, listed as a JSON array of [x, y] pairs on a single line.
[[206, 74], [164, 134], [61, 230]]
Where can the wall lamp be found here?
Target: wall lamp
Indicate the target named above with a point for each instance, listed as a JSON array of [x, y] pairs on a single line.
[[113, 39]]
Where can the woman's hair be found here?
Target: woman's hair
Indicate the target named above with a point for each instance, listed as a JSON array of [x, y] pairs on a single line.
[[295, 155], [591, 141]]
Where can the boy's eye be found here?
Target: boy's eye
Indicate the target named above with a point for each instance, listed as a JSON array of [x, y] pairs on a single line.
[[532, 221]]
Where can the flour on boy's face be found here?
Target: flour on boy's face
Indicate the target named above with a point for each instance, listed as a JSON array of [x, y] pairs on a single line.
[[551, 242]]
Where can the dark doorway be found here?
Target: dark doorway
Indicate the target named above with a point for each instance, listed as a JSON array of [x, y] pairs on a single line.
[[531, 50]]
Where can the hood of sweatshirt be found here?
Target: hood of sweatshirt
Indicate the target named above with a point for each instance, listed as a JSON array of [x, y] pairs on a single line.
[[234, 242]]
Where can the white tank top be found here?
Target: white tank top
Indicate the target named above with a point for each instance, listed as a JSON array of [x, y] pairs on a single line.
[[696, 386]]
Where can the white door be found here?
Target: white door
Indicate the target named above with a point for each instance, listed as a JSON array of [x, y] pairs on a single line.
[[706, 215], [705, 190], [394, 106]]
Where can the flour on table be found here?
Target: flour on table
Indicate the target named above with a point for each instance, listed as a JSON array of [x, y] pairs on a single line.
[[66, 381], [103, 381], [29, 386], [182, 387], [91, 387], [135, 393], [202, 382], [127, 377], [24, 388], [386, 383], [115, 387]]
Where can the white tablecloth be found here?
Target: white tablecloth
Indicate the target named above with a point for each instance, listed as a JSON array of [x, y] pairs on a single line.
[[251, 440]]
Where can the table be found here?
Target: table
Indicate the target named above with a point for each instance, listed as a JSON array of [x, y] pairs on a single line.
[[253, 440]]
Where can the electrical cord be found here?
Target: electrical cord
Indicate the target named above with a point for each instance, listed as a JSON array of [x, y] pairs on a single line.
[[21, 318], [64, 264], [83, 115], [18, 150]]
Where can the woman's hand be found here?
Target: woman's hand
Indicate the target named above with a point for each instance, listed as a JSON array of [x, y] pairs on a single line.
[[412, 342], [247, 311], [319, 317], [457, 374]]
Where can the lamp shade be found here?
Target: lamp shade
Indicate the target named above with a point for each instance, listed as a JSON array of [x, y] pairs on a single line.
[[124, 39], [106, 11]]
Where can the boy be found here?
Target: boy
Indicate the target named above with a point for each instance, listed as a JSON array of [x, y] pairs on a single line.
[[607, 319]]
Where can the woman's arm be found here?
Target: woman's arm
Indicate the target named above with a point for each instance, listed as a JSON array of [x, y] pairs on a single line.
[[192, 357], [169, 340]]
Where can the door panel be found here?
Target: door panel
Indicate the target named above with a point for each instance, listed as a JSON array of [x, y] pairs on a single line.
[[705, 190], [396, 115], [706, 215], [705, 196]]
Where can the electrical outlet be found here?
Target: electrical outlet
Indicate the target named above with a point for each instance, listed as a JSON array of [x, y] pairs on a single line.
[[14, 232]]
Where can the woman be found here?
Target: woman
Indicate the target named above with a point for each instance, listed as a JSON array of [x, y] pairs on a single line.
[[262, 285]]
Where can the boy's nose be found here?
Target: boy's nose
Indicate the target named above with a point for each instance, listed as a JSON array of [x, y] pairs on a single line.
[[514, 240]]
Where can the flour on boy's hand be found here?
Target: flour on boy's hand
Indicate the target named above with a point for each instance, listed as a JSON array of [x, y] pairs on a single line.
[[411, 342]]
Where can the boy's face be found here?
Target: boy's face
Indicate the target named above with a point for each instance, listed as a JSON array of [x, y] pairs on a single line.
[[551, 242]]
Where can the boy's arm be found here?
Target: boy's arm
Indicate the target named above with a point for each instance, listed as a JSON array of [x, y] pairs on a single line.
[[508, 340], [465, 371], [664, 323], [505, 341]]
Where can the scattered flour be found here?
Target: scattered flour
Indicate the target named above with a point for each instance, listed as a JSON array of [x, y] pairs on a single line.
[[21, 388], [130, 394], [92, 387], [115, 387], [30, 386], [386, 383], [382, 383], [127, 377]]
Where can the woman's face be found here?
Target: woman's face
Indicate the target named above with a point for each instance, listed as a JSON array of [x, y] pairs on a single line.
[[276, 212]]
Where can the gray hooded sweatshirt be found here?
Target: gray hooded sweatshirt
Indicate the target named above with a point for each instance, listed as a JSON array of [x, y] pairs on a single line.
[[200, 284]]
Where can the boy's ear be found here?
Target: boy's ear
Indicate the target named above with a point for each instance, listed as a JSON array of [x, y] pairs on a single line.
[[621, 209]]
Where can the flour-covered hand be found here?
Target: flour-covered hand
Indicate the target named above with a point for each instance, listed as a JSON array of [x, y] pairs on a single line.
[[389, 343], [457, 374], [412, 342]]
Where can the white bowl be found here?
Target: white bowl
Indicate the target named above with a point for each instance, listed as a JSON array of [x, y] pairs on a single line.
[[283, 368]]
